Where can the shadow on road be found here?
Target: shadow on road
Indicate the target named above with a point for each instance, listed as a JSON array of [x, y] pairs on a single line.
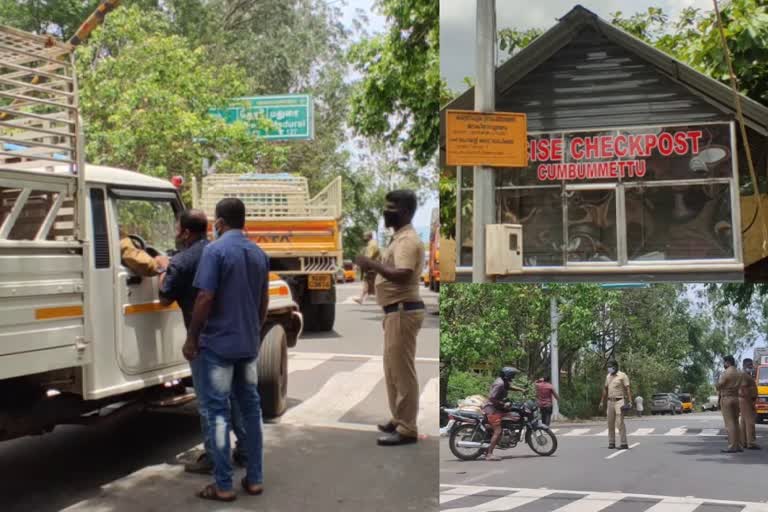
[[708, 451]]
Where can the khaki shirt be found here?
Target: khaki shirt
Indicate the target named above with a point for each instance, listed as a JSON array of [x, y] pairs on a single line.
[[372, 250], [617, 385], [405, 251], [748, 388], [729, 383], [138, 261]]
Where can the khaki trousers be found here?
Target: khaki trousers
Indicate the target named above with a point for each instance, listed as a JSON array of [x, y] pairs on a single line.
[[747, 422], [400, 331], [615, 414], [730, 408]]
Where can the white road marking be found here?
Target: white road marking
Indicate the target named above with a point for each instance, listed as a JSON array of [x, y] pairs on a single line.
[[507, 503], [298, 363], [578, 432], [683, 504], [676, 505], [592, 503], [601, 434], [341, 355], [642, 432], [429, 422], [710, 432], [677, 431], [455, 494], [619, 452], [339, 394]]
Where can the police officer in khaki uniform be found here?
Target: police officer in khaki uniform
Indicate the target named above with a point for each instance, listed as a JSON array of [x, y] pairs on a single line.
[[618, 393], [728, 391], [747, 401], [397, 291], [137, 260]]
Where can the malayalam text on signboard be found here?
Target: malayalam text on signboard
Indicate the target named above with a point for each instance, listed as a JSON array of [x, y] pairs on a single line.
[[492, 139], [291, 116]]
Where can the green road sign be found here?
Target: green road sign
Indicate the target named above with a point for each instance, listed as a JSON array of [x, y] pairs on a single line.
[[292, 115]]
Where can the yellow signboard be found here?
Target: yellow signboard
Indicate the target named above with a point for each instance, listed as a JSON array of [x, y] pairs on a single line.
[[494, 139]]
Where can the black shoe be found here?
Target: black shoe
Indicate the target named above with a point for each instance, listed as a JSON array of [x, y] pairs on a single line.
[[395, 439], [738, 450], [202, 466], [624, 447], [387, 428], [754, 447], [611, 446]]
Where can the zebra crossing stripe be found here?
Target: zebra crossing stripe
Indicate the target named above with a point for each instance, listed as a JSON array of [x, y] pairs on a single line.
[[601, 434], [677, 431], [589, 501], [676, 505], [429, 422], [710, 432], [642, 432], [596, 502], [578, 432], [298, 363], [459, 492], [508, 502], [338, 395]]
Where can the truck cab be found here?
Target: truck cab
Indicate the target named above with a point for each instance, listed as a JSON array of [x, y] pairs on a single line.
[[761, 407]]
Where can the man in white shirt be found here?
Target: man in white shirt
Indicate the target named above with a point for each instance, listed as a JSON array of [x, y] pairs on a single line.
[[639, 405]]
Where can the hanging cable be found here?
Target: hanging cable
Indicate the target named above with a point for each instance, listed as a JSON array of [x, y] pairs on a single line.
[[742, 125]]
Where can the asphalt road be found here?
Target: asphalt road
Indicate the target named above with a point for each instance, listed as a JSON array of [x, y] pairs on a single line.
[[675, 465], [320, 456]]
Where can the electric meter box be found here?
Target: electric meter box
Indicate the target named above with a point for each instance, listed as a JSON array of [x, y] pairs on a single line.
[[503, 249]]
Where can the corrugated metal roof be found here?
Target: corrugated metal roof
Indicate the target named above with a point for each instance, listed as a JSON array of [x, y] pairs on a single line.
[[586, 73]]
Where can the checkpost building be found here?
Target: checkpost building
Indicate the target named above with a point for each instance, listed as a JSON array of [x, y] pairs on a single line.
[[636, 167]]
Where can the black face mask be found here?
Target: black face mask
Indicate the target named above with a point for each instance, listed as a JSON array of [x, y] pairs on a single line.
[[392, 219]]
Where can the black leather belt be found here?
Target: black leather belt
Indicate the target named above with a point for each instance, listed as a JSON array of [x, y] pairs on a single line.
[[615, 398], [405, 306]]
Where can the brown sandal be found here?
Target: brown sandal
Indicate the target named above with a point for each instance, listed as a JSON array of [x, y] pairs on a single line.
[[210, 492], [247, 487]]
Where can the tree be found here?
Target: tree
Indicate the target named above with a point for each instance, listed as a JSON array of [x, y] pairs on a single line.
[[145, 94], [401, 91]]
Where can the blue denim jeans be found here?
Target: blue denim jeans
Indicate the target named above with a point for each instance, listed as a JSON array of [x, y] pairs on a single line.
[[221, 378], [236, 417]]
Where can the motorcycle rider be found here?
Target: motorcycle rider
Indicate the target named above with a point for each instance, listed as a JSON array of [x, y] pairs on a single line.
[[495, 409]]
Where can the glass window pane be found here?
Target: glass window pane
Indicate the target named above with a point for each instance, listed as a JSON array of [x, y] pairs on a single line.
[[154, 221], [591, 225], [679, 222], [540, 212]]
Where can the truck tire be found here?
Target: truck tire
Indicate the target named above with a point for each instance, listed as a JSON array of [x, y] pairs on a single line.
[[273, 372], [325, 317]]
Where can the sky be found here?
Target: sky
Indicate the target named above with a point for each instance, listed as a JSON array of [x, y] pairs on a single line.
[[457, 24], [377, 24]]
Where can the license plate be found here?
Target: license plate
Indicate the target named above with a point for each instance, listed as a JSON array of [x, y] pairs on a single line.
[[319, 282]]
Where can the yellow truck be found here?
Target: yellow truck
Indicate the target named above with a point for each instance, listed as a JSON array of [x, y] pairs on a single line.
[[301, 234], [760, 361]]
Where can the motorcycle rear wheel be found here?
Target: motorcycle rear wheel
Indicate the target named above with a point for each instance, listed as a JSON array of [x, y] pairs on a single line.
[[466, 432], [532, 437]]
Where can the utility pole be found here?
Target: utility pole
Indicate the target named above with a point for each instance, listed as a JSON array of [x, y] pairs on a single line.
[[483, 196], [554, 318]]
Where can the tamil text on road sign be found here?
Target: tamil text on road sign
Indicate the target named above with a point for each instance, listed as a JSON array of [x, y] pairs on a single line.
[[492, 139], [291, 116]]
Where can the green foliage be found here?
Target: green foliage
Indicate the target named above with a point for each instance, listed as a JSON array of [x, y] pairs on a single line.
[[660, 338], [401, 92], [512, 40], [145, 93], [464, 384]]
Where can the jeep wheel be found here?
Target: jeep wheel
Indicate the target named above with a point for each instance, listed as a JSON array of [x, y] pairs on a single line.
[[273, 372]]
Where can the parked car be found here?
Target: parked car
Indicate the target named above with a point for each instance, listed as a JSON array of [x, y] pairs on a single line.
[[340, 275], [666, 403], [711, 404], [687, 401]]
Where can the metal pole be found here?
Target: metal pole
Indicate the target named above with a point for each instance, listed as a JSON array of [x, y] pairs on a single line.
[[553, 351], [483, 196]]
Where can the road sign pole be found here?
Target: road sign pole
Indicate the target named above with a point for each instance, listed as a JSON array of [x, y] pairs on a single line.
[[483, 196], [554, 318]]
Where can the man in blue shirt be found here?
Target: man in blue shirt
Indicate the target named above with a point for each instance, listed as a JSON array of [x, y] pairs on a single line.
[[176, 286], [225, 333]]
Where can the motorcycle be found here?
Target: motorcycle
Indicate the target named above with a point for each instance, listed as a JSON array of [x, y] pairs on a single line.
[[470, 435]]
